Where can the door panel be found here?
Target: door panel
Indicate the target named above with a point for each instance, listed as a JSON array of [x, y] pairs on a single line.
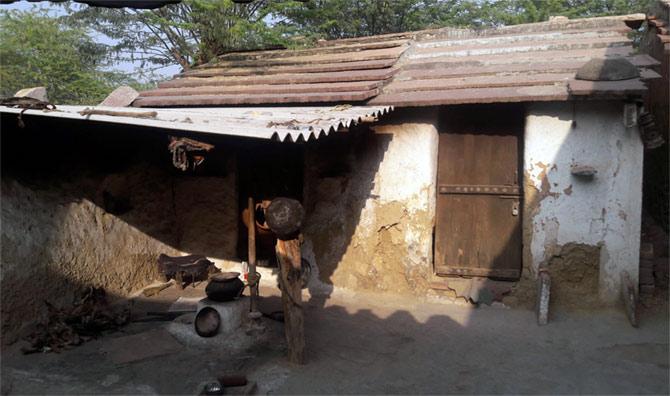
[[478, 219]]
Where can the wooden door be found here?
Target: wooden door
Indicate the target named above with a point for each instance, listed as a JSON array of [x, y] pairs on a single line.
[[478, 219]]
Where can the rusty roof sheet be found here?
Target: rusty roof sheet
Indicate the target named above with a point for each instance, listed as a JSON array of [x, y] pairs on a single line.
[[286, 124], [333, 73], [529, 62]]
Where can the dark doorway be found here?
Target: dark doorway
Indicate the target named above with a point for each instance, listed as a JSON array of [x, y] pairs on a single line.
[[266, 170], [478, 218]]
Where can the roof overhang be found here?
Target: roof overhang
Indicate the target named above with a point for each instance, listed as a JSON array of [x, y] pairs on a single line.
[[286, 124]]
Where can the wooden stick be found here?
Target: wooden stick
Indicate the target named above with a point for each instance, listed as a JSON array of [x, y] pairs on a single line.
[[253, 289], [137, 114], [288, 255]]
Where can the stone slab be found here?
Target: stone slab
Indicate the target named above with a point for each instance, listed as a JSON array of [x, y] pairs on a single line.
[[543, 296], [39, 93], [123, 96]]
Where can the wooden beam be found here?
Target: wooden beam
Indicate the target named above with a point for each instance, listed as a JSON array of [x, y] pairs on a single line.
[[253, 289]]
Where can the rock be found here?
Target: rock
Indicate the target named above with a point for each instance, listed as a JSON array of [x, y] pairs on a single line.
[[39, 93], [123, 96], [607, 69]]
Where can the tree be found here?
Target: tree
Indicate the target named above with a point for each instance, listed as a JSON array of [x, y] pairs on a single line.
[[333, 19], [188, 33], [512, 12], [42, 51]]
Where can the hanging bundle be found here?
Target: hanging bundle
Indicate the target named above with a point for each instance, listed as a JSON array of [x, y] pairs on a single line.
[[187, 153]]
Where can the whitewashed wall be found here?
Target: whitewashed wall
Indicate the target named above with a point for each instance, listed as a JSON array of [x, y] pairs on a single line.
[[565, 209]]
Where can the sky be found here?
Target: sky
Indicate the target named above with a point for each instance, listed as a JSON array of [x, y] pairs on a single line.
[[54, 9]]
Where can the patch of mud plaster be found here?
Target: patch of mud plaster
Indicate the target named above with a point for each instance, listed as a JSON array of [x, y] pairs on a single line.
[[574, 270]]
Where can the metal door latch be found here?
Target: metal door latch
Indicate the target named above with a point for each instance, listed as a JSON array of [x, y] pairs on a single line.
[[515, 208]]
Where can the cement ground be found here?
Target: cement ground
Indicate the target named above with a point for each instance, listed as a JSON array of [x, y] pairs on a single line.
[[390, 345]]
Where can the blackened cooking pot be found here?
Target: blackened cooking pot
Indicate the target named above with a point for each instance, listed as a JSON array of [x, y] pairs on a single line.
[[225, 286]]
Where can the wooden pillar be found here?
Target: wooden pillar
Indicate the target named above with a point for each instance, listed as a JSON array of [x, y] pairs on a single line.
[[253, 290], [284, 216], [288, 255]]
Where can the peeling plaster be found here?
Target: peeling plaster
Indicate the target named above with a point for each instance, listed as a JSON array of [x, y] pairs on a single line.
[[562, 209], [376, 234]]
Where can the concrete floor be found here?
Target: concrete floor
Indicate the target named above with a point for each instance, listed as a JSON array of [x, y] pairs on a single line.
[[376, 344]]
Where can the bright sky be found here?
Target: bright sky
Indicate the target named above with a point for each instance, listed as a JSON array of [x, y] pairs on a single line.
[[54, 9]]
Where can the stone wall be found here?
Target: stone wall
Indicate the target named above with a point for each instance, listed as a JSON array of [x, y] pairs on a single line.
[[370, 199], [572, 221]]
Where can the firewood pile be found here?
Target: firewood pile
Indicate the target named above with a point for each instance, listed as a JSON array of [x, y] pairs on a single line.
[[68, 327]]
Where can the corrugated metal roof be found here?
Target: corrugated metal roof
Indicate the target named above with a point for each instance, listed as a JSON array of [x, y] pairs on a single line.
[[529, 62], [350, 72], [290, 124]]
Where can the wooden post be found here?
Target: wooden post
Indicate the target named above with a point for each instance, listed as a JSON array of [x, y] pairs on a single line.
[[253, 290], [284, 216], [288, 255]]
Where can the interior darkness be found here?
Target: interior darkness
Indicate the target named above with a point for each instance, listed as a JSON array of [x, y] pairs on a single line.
[[266, 170], [51, 152], [46, 147]]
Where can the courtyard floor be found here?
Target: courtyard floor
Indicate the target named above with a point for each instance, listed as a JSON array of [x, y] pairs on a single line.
[[381, 344]]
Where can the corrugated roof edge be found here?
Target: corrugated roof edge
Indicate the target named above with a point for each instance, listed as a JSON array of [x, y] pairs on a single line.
[[285, 124]]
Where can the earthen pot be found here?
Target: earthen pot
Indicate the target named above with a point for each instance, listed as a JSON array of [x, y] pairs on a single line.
[[225, 286]]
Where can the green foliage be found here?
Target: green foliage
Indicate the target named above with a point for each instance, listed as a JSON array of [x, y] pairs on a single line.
[[188, 33], [333, 19], [41, 51], [512, 12]]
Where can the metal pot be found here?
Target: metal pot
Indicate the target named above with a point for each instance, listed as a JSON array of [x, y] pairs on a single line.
[[225, 286]]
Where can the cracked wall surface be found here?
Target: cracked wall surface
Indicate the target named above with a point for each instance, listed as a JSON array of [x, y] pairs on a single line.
[[370, 202], [562, 209]]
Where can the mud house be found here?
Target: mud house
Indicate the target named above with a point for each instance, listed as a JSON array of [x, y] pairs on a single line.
[[427, 162]]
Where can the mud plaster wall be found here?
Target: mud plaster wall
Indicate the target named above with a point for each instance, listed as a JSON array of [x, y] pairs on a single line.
[[59, 237], [575, 220], [370, 200]]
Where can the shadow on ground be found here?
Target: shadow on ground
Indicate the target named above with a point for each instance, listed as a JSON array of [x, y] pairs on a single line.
[[388, 345]]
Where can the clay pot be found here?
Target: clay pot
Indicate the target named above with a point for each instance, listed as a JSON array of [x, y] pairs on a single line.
[[225, 286]]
